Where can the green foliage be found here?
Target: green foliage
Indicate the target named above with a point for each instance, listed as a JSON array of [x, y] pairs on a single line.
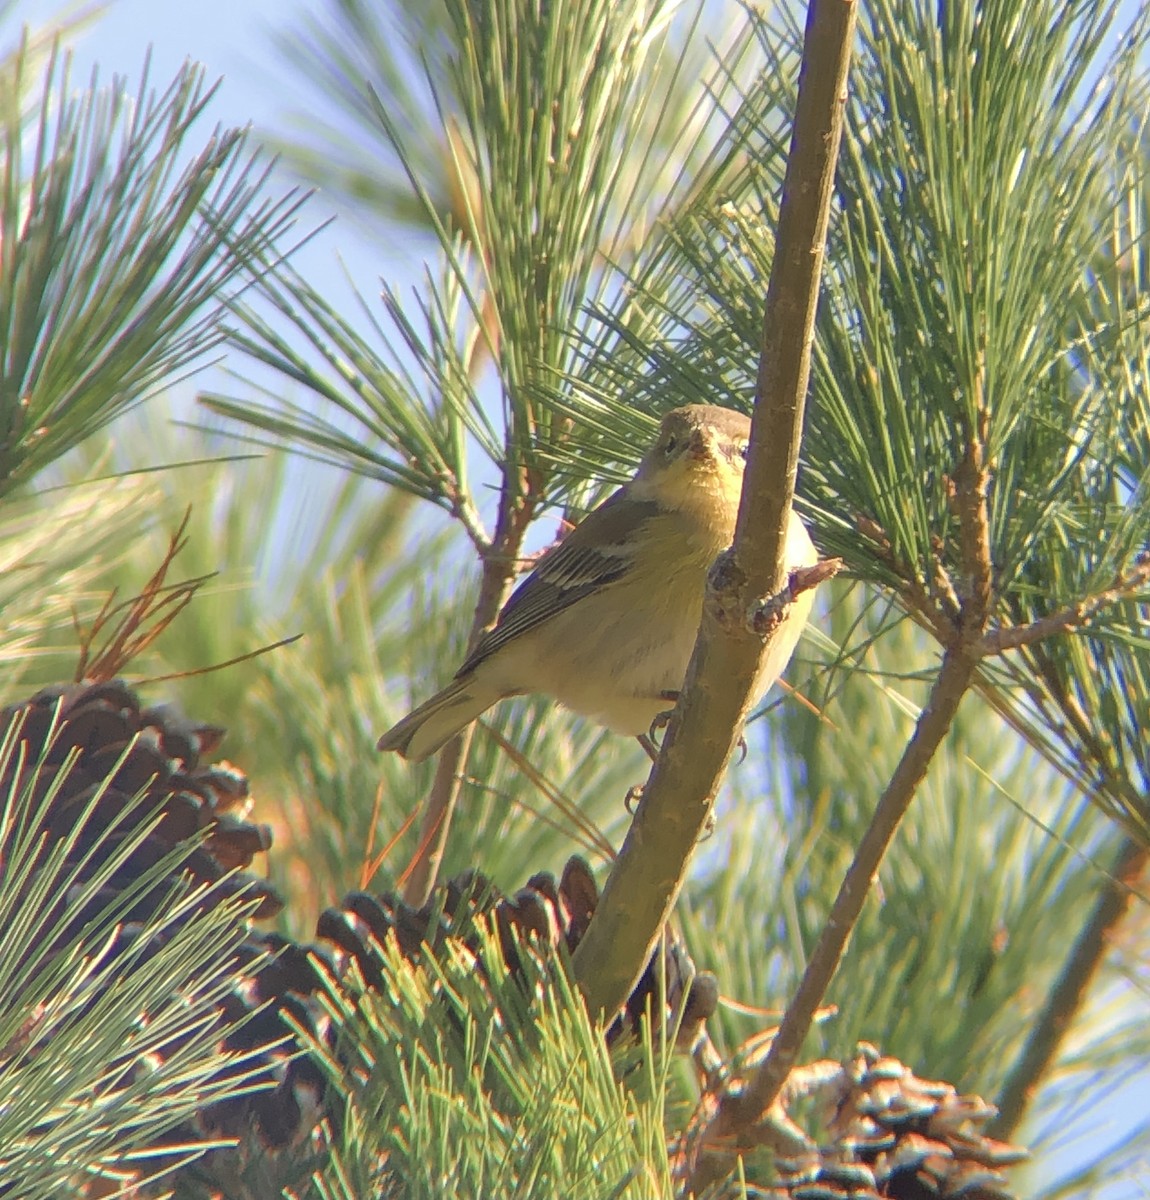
[[596, 263], [114, 259], [984, 252], [464, 1078], [109, 1034], [326, 791], [982, 278], [554, 133], [351, 52], [963, 228], [52, 556], [979, 282], [119, 241], [996, 861]]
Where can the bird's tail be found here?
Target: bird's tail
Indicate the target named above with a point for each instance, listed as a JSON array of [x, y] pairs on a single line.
[[421, 733]]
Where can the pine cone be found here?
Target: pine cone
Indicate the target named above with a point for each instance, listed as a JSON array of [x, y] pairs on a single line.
[[121, 750], [887, 1132], [148, 750], [894, 1135], [542, 913]]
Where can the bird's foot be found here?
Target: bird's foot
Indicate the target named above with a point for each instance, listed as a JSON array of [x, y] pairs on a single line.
[[649, 740]]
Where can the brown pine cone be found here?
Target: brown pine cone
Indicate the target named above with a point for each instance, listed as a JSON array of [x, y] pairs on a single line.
[[891, 1134], [97, 762], [151, 751], [543, 913], [91, 765]]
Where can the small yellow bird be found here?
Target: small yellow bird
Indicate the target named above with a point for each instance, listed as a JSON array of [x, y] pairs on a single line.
[[607, 620]]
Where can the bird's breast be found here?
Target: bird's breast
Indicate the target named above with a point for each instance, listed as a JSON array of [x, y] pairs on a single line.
[[612, 654]]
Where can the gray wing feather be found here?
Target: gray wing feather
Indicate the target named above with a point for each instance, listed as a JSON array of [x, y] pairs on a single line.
[[592, 555]]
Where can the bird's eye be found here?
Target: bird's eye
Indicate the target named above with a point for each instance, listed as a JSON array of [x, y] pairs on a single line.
[[670, 445], [743, 448]]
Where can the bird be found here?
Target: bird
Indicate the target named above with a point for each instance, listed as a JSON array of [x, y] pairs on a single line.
[[606, 622]]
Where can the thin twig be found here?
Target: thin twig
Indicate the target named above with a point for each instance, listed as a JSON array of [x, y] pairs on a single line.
[[972, 481], [464, 512], [593, 839], [1085, 729], [129, 627], [740, 1111], [372, 861], [428, 857], [249, 656], [672, 814], [1069, 992], [924, 605], [517, 506], [998, 641]]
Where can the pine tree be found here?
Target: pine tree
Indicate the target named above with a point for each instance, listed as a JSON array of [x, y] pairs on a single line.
[[599, 188]]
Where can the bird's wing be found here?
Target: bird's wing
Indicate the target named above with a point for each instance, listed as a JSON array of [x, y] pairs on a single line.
[[596, 552]]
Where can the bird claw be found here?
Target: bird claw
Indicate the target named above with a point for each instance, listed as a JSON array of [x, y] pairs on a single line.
[[662, 720]]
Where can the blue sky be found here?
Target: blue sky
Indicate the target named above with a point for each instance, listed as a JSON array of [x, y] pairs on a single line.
[[229, 37], [234, 41]]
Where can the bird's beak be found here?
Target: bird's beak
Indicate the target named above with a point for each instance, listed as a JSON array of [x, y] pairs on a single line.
[[701, 448]]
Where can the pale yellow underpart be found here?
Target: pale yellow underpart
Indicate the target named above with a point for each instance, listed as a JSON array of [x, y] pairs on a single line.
[[612, 655]]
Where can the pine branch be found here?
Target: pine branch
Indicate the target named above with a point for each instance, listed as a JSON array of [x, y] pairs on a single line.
[[680, 792], [1070, 991], [516, 507], [740, 1111], [1071, 616], [116, 258]]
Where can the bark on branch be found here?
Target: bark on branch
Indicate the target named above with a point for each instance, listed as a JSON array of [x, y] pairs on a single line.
[[679, 794]]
